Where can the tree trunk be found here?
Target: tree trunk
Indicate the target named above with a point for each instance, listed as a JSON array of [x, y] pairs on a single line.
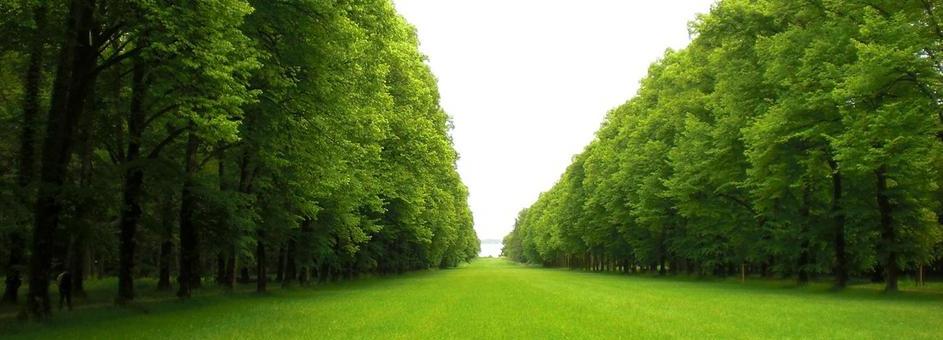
[[838, 226], [76, 63], [891, 270], [231, 270], [290, 269], [280, 272], [804, 212], [220, 268], [77, 264], [133, 187], [80, 230], [27, 152], [167, 245], [261, 272], [661, 265], [188, 237], [166, 257], [244, 276]]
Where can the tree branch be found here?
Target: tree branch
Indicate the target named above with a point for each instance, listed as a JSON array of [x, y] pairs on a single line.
[[160, 146], [218, 151], [117, 59], [162, 112], [737, 201]]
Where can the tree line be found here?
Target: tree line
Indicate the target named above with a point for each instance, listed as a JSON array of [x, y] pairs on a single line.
[[233, 139], [793, 138]]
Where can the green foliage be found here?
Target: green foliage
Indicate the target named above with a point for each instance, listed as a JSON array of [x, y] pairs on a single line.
[[758, 148], [316, 134]]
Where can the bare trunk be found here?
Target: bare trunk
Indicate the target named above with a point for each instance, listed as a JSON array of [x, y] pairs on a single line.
[[166, 246], [804, 212], [76, 63], [838, 226], [231, 269], [280, 271], [133, 188], [888, 239], [188, 237], [166, 257], [27, 153], [290, 269], [261, 272], [220, 268]]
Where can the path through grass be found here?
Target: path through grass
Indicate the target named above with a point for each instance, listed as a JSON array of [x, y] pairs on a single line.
[[493, 298]]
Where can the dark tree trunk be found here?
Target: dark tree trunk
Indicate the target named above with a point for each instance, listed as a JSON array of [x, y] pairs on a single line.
[[13, 281], [188, 237], [888, 239], [290, 269], [27, 152], [77, 265], [78, 246], [133, 187], [280, 272], [838, 226], [261, 273], [244, 276], [231, 270], [804, 213], [167, 245], [76, 63], [228, 271], [34, 73], [662, 250], [166, 257], [220, 269]]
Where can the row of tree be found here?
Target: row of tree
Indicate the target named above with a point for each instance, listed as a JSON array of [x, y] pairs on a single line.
[[301, 139], [798, 138]]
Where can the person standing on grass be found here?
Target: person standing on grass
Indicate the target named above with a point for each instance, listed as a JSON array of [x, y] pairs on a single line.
[[65, 289]]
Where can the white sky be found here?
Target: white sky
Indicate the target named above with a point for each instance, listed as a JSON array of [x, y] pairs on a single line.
[[527, 83]]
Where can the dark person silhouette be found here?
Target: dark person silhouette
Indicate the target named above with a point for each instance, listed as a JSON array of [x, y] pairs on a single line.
[[65, 289]]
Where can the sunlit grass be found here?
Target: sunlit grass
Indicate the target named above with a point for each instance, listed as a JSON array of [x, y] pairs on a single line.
[[493, 298]]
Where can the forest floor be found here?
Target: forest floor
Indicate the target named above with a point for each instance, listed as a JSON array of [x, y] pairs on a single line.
[[495, 298]]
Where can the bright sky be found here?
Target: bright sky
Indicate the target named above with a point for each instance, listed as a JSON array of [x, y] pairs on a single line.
[[527, 83]]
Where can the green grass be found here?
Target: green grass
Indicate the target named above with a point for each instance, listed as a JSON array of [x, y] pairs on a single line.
[[493, 298]]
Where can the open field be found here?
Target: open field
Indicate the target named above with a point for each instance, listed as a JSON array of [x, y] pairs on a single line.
[[494, 298]]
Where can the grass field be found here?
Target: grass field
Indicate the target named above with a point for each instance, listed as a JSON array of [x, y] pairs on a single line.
[[493, 298]]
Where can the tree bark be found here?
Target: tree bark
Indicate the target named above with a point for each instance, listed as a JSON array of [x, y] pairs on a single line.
[[244, 276], [804, 212], [229, 263], [231, 269], [220, 268], [261, 272], [27, 152], [280, 271], [133, 187], [76, 63], [888, 241], [77, 265], [163, 281], [188, 237], [290, 269], [167, 245], [78, 246], [838, 226]]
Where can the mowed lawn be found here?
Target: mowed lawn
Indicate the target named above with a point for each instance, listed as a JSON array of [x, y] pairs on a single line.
[[494, 298]]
